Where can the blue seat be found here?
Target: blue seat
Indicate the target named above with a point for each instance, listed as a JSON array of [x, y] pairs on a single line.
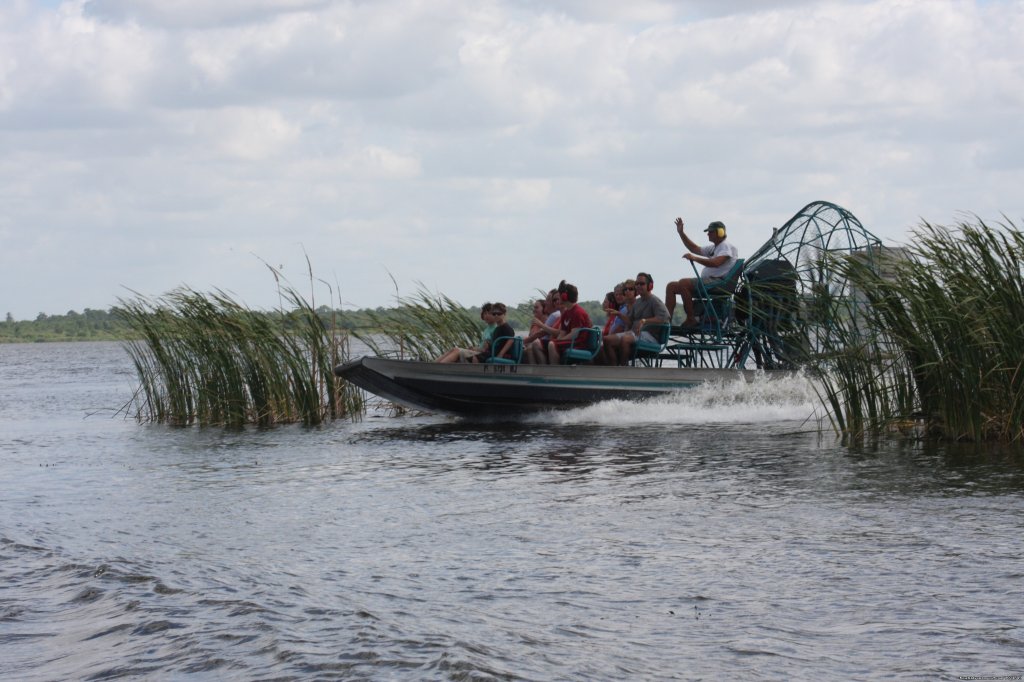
[[515, 355], [582, 350], [712, 302], [711, 342], [648, 352]]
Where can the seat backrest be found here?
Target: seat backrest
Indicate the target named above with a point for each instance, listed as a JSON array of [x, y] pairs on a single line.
[[660, 331], [584, 343], [515, 354], [727, 284], [717, 294], [592, 338]]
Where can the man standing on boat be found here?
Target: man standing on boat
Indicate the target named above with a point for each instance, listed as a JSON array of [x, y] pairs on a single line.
[[717, 258], [648, 309]]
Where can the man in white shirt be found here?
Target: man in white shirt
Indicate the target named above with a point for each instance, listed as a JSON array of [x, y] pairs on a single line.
[[717, 258]]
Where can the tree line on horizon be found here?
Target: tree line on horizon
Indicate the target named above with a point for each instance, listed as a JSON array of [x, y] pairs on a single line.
[[110, 325]]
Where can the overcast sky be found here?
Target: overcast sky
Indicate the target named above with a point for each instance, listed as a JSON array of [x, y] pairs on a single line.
[[484, 148]]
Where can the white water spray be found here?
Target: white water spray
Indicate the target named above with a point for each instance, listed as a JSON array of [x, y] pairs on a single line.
[[736, 401]]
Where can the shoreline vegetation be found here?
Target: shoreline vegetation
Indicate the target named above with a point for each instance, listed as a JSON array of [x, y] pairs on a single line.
[[925, 344], [110, 324]]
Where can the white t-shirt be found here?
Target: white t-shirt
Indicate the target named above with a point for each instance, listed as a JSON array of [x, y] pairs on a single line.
[[723, 248]]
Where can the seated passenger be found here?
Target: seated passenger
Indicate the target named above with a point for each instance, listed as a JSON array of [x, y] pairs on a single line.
[[717, 258], [535, 346], [609, 306], [618, 313], [473, 354], [497, 348], [539, 316], [573, 317], [647, 309]]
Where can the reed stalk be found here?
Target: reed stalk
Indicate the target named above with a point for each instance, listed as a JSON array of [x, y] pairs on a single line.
[[206, 359], [426, 326], [933, 339]]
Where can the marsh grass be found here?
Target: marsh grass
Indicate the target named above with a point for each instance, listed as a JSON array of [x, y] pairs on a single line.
[[207, 359], [426, 326], [934, 341]]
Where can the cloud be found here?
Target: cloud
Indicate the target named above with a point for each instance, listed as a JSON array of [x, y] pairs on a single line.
[[190, 14], [404, 136], [250, 134]]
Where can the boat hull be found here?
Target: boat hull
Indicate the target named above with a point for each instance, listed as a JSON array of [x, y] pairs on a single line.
[[482, 389]]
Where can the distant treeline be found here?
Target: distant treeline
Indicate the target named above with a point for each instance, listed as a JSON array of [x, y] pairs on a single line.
[[110, 325]]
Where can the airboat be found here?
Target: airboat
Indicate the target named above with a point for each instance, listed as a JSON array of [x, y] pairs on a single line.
[[766, 318]]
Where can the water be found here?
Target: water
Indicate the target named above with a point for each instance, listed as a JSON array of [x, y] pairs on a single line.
[[711, 536]]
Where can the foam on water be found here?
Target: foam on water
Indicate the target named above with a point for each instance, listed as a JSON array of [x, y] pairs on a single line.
[[764, 400]]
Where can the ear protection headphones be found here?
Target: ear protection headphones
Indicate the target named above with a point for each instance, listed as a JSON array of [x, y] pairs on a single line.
[[564, 296], [716, 228]]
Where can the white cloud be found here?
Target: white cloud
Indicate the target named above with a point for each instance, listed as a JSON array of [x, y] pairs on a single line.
[[181, 14], [404, 135], [371, 162], [250, 134]]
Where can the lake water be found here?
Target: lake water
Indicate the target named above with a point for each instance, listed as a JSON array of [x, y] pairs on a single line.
[[714, 536]]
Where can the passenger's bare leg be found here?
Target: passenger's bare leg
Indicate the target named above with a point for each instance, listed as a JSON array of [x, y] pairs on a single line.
[[604, 354], [450, 356], [553, 353], [626, 351], [671, 289], [686, 293], [529, 352], [614, 349]]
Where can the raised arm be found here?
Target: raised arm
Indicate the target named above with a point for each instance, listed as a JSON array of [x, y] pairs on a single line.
[[690, 245]]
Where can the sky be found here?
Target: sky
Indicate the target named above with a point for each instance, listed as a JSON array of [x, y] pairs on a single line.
[[484, 150]]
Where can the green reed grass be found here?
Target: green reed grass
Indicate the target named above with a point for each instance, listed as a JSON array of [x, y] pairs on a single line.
[[423, 327], [207, 359], [934, 338]]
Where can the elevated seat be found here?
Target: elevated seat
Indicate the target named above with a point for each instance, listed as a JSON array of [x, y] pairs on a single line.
[[712, 341]]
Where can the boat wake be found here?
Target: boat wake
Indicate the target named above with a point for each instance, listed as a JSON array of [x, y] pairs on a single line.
[[732, 402]]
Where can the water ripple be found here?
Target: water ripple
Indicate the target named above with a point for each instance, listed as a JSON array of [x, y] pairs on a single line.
[[611, 543]]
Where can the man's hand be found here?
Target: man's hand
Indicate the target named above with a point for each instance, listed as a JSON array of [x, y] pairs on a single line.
[[679, 227]]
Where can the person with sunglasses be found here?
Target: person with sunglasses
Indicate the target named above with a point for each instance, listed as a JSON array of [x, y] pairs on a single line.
[[502, 330], [646, 310], [618, 313]]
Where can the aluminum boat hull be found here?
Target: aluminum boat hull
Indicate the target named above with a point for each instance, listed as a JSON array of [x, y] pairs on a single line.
[[482, 389]]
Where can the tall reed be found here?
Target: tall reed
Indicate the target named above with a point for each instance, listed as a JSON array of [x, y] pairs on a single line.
[[423, 327], [206, 359], [934, 338]]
